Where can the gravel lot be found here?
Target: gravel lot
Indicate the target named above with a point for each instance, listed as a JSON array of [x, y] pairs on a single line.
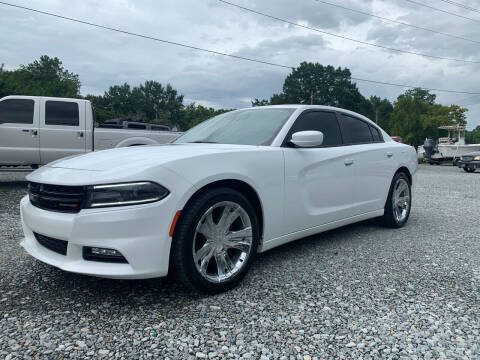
[[362, 291]]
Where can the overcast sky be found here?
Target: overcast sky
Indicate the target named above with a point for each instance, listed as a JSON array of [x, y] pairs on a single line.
[[103, 58]]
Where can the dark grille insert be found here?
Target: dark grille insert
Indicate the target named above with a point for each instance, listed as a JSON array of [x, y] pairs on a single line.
[[56, 197], [58, 246], [467, 158]]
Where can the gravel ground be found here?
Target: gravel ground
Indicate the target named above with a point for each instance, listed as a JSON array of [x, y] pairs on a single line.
[[361, 291]]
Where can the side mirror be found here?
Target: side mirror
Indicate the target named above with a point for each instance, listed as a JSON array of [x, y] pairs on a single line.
[[307, 138]]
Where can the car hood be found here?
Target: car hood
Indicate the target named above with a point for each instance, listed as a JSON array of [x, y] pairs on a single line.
[[141, 156], [124, 163]]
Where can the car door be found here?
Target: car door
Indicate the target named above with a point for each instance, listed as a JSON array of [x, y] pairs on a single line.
[[62, 129], [19, 141], [372, 163], [318, 181]]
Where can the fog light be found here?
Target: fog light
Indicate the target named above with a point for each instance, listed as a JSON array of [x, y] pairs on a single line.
[[103, 255], [105, 252]]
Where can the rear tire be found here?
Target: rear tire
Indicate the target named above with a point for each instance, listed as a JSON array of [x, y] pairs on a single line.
[[469, 170], [399, 202], [215, 241]]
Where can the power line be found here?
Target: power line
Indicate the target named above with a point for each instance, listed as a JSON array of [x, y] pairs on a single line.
[[222, 53], [397, 22], [346, 37], [444, 11], [460, 5]]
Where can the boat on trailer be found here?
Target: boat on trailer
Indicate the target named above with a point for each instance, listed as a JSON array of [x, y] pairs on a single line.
[[447, 149]]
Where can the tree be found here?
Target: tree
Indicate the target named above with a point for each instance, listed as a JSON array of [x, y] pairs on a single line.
[[382, 110], [415, 117], [194, 114], [473, 137], [44, 77], [313, 83]]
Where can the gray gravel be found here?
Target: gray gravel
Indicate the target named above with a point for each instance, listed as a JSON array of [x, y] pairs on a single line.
[[358, 292]]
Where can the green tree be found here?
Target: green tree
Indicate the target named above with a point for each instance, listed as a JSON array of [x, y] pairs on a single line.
[[473, 137], [194, 114], [416, 116], [382, 110], [313, 83], [43, 77]]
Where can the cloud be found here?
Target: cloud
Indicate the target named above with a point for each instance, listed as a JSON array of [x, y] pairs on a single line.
[[104, 58]]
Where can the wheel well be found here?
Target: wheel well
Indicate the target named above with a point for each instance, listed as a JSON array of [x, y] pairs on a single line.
[[240, 186], [406, 172]]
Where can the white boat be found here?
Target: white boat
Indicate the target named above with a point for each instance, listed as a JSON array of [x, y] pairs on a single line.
[[449, 148]]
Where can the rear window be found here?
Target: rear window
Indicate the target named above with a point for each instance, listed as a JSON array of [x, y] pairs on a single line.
[[355, 131], [61, 113], [17, 111], [377, 136], [137, 126]]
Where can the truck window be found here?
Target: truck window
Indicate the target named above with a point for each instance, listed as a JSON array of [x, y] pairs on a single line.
[[137, 126], [61, 113], [17, 111], [159, 128]]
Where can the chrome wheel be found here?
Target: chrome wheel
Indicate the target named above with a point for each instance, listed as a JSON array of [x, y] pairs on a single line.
[[223, 241], [401, 200]]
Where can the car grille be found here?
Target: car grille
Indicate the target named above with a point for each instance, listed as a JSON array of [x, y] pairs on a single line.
[[58, 246], [56, 197], [467, 158]]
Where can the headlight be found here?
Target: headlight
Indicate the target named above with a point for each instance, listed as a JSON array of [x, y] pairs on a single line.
[[476, 158], [133, 193]]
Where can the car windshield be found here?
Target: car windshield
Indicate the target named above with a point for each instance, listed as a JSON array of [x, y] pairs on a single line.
[[243, 127]]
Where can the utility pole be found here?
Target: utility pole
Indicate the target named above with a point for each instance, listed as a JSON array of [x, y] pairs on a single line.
[[376, 116], [311, 97]]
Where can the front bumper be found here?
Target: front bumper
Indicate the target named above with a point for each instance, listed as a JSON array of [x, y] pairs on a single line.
[[139, 232], [468, 164]]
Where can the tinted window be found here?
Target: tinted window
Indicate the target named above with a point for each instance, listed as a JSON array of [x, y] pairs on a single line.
[[377, 137], [355, 131], [159, 128], [326, 122], [61, 113], [18, 111], [137, 126]]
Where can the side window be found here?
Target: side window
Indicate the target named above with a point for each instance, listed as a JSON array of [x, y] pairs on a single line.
[[61, 113], [377, 137], [355, 131], [137, 126], [326, 122], [17, 111]]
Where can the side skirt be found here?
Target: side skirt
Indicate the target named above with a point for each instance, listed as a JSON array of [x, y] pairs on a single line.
[[270, 244]]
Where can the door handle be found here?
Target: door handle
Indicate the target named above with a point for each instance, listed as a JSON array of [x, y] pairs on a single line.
[[80, 134], [25, 130], [389, 154], [348, 162]]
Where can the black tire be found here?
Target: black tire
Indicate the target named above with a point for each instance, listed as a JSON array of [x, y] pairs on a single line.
[[389, 219], [182, 260], [469, 170]]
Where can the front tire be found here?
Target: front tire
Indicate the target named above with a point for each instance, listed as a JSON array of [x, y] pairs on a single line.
[[215, 241], [469, 170], [398, 205]]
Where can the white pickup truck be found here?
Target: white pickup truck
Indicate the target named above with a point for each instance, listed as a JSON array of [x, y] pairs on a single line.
[[37, 130]]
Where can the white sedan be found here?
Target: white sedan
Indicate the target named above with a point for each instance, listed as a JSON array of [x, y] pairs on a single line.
[[203, 206]]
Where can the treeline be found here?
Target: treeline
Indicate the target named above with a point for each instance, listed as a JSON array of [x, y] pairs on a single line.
[[414, 115], [150, 101]]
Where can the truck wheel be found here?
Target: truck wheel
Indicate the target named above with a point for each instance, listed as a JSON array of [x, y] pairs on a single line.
[[397, 207], [215, 241], [469, 170]]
